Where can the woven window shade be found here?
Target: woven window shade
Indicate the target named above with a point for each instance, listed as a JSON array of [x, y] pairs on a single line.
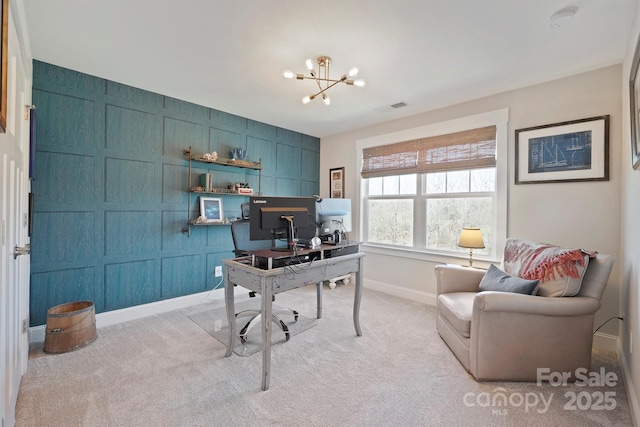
[[470, 149]]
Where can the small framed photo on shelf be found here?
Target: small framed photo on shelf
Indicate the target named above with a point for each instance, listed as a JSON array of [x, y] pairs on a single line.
[[211, 209], [336, 183], [571, 151]]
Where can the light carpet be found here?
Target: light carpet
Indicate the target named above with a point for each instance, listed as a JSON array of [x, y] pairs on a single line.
[[165, 370], [214, 321]]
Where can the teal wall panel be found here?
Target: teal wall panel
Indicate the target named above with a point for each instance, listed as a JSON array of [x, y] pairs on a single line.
[[63, 236], [110, 194], [65, 120], [183, 274], [222, 141], [310, 165], [131, 181], [174, 184], [289, 160], [78, 171], [287, 186], [176, 132], [52, 288], [259, 149], [132, 283], [131, 131], [131, 232], [309, 187]]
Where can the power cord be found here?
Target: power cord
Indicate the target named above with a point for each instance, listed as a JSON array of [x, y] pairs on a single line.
[[607, 321]]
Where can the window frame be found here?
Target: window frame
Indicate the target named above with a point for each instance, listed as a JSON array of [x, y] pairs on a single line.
[[498, 118]]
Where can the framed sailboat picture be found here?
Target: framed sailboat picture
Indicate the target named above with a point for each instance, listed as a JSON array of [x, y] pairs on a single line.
[[572, 151]]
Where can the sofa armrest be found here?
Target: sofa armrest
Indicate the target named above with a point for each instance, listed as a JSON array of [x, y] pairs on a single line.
[[455, 278], [529, 304]]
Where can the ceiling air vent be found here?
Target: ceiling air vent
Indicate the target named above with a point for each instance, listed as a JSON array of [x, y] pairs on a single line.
[[398, 105]]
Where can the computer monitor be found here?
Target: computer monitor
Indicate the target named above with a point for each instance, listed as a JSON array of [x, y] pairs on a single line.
[[290, 221], [333, 215]]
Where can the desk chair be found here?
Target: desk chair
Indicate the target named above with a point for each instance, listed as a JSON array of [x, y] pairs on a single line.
[[243, 244]]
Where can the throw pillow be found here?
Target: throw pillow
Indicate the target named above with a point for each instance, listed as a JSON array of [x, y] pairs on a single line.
[[497, 280], [560, 270]]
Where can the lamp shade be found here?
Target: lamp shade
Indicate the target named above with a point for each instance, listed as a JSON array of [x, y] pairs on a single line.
[[471, 238]]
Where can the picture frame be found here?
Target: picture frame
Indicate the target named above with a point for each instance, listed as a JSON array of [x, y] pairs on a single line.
[[634, 104], [336, 183], [211, 209], [4, 46], [571, 151]]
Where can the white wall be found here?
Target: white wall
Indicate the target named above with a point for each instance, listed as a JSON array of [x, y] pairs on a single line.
[[583, 214], [629, 342]]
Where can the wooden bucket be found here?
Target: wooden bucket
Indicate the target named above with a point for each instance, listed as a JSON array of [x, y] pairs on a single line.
[[70, 326]]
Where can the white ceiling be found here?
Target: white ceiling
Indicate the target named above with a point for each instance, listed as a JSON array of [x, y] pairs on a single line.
[[230, 54]]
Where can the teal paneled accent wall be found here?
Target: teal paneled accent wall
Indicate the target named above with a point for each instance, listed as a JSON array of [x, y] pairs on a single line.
[[110, 194]]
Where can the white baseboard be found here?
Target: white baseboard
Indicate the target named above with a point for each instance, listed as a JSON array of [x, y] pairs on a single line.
[[411, 294], [108, 318], [605, 341], [632, 394]]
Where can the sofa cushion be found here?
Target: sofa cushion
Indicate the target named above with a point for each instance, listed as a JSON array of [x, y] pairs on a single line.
[[498, 280], [457, 309], [559, 270]]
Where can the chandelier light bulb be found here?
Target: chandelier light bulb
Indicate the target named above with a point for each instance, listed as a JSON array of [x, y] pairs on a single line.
[[326, 99], [288, 74], [306, 100], [359, 83], [309, 64], [353, 72]]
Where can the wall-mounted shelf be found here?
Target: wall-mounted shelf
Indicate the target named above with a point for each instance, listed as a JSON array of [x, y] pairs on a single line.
[[194, 189]]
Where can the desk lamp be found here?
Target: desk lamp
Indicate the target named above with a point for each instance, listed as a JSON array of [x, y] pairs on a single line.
[[471, 238]]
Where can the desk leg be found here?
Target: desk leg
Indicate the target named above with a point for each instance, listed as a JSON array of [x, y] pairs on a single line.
[[319, 298], [230, 306], [267, 292], [356, 300]]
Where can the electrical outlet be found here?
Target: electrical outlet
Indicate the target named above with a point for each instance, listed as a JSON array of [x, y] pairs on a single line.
[[218, 270]]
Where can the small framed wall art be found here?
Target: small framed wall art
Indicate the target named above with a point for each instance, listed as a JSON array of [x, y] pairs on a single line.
[[336, 183], [572, 151], [211, 209]]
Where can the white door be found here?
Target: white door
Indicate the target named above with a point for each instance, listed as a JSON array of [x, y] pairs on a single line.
[[14, 271]]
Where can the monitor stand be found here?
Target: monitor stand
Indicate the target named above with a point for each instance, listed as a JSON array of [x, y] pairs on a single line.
[[291, 240]]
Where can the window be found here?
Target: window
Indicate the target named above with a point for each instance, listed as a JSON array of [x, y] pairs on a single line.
[[418, 194]]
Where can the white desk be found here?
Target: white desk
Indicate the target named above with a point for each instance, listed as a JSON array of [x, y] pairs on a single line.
[[267, 283]]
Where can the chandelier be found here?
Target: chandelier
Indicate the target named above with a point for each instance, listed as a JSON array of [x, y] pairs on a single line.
[[322, 78]]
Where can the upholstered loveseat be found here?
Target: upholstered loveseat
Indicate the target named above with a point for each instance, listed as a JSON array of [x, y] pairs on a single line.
[[507, 335]]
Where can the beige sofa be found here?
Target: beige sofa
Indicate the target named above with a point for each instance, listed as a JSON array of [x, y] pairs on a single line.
[[507, 336]]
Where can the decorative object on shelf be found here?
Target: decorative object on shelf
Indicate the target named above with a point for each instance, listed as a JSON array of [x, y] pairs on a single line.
[[238, 153], [336, 183], [211, 157], [200, 220], [572, 151], [634, 98], [206, 181], [211, 209], [471, 238], [324, 64]]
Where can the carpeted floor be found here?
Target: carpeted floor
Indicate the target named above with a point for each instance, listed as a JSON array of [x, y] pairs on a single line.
[[165, 370]]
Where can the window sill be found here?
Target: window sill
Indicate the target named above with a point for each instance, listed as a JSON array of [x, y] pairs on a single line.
[[451, 258]]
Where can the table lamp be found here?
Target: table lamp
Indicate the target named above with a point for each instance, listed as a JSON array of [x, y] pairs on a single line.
[[471, 238]]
